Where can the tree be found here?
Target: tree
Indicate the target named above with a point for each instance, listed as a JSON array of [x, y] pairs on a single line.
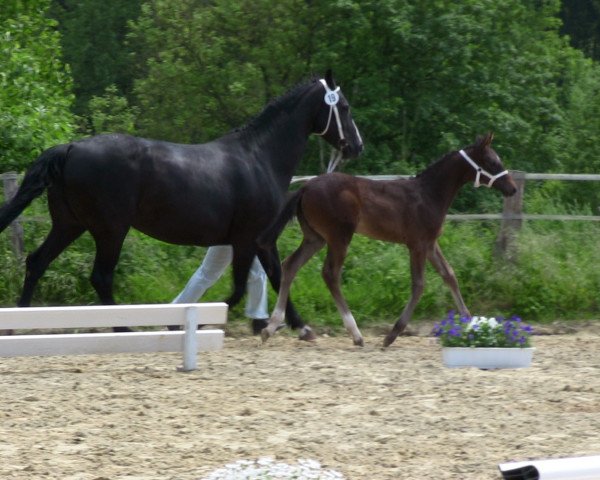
[[35, 86], [211, 66], [93, 38], [581, 21], [423, 77], [111, 113]]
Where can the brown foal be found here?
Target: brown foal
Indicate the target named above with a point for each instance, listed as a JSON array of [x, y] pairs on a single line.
[[331, 208]]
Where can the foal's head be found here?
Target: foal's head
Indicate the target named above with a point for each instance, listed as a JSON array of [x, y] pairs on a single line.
[[334, 121], [487, 167]]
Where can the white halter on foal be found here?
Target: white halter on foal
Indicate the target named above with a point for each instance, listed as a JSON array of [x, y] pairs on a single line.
[[332, 98], [480, 170]]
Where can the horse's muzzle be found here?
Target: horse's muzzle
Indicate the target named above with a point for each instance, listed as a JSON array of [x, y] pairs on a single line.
[[507, 186], [350, 151]]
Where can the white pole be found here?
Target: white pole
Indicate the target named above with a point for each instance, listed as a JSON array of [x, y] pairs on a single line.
[[576, 468]]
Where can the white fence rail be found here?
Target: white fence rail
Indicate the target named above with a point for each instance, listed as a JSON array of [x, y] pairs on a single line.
[[189, 341]]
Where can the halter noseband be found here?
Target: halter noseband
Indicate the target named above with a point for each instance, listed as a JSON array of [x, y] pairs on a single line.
[[480, 170]]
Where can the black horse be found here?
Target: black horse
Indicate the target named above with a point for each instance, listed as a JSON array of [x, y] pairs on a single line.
[[222, 192]]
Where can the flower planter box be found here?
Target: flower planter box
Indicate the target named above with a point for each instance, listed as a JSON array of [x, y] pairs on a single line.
[[487, 358]]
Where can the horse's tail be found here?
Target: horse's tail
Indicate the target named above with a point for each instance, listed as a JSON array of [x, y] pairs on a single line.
[[286, 214], [37, 178]]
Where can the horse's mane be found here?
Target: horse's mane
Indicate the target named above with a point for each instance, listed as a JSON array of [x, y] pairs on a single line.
[[285, 102], [432, 166]]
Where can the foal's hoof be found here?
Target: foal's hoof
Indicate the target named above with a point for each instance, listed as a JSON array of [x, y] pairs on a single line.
[[389, 339], [360, 342], [265, 335], [307, 335]]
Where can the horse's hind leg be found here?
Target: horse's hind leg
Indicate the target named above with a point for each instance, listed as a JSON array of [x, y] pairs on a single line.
[[311, 244], [108, 249], [442, 266], [417, 270], [59, 238], [332, 274]]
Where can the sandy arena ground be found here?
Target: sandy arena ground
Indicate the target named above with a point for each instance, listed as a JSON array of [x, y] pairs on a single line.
[[366, 412]]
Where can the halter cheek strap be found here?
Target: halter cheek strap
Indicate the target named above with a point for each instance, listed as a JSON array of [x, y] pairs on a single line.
[[332, 98], [480, 171]]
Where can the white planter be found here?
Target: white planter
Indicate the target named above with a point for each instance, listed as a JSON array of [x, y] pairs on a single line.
[[487, 358]]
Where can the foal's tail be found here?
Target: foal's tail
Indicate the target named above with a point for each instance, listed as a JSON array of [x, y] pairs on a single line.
[[37, 178], [271, 233]]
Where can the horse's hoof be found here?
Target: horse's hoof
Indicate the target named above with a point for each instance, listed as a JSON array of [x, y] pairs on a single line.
[[265, 335], [387, 341], [307, 335], [360, 342], [258, 324]]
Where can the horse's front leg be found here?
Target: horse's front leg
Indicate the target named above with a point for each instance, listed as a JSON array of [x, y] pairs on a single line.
[[417, 270], [242, 260], [442, 266]]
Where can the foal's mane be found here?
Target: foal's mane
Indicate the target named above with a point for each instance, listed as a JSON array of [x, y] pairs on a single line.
[[285, 102], [433, 166]]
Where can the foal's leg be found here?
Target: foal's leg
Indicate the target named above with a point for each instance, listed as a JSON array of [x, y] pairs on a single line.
[[310, 245], [269, 258], [417, 270], [332, 273], [59, 238], [447, 273]]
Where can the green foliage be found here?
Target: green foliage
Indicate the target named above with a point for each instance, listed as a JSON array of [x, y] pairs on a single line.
[[554, 275], [581, 22], [35, 87], [210, 67], [93, 38], [111, 113]]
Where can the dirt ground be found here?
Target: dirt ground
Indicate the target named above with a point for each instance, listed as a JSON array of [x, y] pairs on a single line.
[[366, 412]]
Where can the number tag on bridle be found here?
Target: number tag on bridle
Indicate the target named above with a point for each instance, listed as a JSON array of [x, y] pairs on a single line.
[[331, 97]]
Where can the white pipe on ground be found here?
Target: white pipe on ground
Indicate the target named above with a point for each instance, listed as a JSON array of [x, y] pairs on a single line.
[[575, 468]]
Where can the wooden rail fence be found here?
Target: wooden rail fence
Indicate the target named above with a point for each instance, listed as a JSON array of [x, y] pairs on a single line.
[[511, 218]]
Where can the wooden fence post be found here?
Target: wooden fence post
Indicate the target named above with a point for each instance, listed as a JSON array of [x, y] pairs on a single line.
[[16, 229], [512, 218]]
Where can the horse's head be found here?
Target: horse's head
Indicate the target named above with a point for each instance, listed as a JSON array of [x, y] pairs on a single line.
[[334, 121], [487, 166]]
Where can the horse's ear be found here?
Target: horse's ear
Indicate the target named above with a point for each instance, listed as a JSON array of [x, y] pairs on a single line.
[[329, 79], [485, 141]]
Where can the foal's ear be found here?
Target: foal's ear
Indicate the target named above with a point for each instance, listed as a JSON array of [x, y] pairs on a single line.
[[486, 140], [329, 79]]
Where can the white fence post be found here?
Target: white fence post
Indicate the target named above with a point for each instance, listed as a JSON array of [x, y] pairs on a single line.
[[16, 236], [190, 341]]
